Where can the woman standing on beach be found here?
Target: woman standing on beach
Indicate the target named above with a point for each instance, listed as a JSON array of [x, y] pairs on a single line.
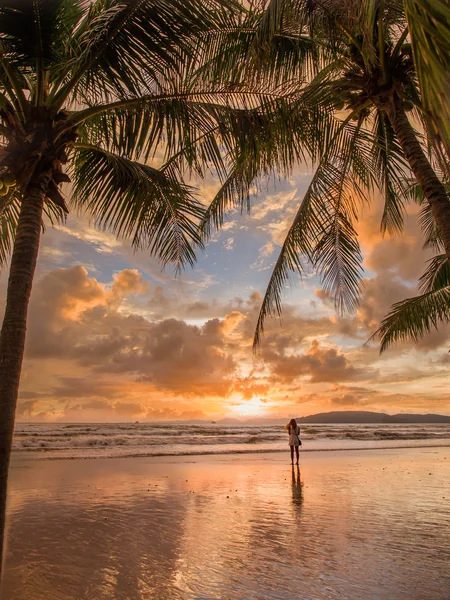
[[294, 440]]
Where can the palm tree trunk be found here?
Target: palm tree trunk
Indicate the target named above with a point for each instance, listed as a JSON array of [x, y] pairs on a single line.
[[12, 336], [432, 187]]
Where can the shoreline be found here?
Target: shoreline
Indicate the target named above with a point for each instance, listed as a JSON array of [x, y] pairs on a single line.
[[39, 455]]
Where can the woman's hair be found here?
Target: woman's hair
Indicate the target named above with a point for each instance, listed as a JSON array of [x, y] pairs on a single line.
[[292, 423]]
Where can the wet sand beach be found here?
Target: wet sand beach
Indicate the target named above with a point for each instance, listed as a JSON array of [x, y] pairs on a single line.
[[355, 525]]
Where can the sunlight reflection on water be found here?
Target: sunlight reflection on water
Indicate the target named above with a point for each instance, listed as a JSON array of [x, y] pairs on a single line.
[[370, 525]]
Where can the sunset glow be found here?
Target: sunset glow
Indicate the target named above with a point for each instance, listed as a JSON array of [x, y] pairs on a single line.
[[113, 338], [252, 408]]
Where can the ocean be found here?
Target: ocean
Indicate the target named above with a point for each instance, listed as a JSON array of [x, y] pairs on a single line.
[[110, 440]]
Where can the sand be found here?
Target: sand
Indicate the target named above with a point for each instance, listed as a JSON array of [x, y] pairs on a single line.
[[348, 525]]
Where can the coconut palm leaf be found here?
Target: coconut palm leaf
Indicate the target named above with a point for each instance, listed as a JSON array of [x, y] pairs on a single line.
[[34, 33], [323, 233], [429, 24], [305, 229], [34, 37], [395, 175], [233, 192], [430, 231], [175, 119], [84, 47], [9, 215], [415, 317], [143, 41], [337, 257], [436, 276], [271, 139], [138, 202], [358, 47]]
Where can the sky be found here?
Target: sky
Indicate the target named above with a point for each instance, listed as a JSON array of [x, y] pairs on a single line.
[[112, 337]]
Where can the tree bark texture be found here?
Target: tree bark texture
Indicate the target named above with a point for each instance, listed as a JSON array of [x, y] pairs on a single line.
[[432, 187], [12, 336]]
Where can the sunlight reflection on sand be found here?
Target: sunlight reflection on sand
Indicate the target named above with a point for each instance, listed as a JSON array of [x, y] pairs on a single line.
[[373, 524]]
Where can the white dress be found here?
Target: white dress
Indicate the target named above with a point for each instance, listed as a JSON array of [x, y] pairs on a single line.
[[294, 436]]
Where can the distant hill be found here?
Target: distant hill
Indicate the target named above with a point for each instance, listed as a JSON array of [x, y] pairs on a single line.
[[341, 417], [362, 416]]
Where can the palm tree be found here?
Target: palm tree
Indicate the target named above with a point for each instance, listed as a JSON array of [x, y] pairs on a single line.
[[350, 68], [88, 91]]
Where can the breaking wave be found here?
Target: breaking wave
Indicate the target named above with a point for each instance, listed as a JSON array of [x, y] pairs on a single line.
[[146, 439]]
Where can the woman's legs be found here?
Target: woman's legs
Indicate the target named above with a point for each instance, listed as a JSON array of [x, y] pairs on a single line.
[[292, 454], [296, 454]]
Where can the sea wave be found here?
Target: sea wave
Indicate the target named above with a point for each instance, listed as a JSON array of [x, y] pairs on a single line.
[[97, 440]]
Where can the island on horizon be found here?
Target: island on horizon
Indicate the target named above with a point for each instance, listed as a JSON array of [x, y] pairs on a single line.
[[346, 417]]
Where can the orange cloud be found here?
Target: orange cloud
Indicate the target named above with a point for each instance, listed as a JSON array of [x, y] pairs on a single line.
[[89, 357], [128, 281], [318, 363]]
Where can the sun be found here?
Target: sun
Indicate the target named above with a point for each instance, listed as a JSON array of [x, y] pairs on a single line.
[[250, 408]]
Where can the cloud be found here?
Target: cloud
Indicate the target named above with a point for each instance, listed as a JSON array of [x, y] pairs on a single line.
[[167, 413], [26, 408], [231, 321], [95, 405], [346, 400], [324, 296], [102, 241], [378, 295], [250, 386], [319, 364], [172, 355], [81, 387], [396, 263], [264, 252], [72, 318], [351, 396], [115, 346], [128, 408], [128, 281]]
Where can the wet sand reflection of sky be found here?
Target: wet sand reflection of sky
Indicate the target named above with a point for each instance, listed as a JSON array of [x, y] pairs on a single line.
[[344, 525]]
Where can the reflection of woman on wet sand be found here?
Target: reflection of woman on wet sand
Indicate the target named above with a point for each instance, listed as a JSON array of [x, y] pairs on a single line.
[[294, 440], [296, 485]]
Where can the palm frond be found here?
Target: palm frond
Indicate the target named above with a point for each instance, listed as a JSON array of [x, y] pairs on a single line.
[[32, 30], [266, 141], [337, 256], [323, 232], [34, 35], [429, 228], [259, 45], [13, 84], [394, 173], [299, 241], [138, 126], [235, 191], [413, 318], [9, 217], [429, 25], [146, 42], [437, 274], [272, 20], [137, 202]]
